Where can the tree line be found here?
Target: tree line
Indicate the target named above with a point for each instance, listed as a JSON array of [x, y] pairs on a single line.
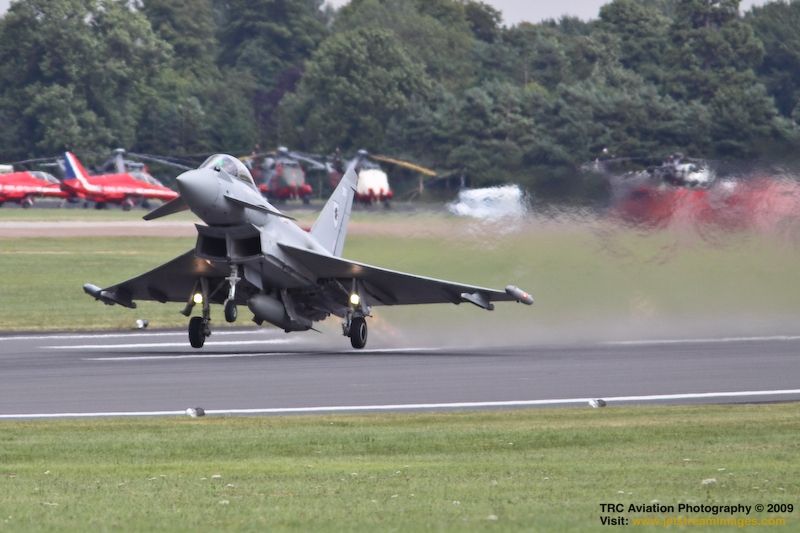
[[442, 82]]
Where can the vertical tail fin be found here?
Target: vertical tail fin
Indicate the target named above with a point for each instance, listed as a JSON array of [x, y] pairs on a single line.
[[76, 173], [330, 228]]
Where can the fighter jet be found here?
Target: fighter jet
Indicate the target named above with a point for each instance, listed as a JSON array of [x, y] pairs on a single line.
[[249, 253]]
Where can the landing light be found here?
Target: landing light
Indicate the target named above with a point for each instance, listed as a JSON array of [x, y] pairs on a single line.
[[197, 298], [355, 299]]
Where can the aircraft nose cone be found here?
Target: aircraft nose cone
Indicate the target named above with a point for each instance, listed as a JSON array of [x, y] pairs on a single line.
[[199, 188]]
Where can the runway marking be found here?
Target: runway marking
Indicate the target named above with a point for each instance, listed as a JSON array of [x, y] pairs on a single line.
[[720, 340], [417, 406], [71, 336], [165, 344], [235, 355], [189, 356]]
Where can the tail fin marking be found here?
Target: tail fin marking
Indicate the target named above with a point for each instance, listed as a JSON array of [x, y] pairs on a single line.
[[330, 228]]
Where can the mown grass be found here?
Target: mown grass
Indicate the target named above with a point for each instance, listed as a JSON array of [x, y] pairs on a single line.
[[76, 213], [531, 470], [577, 274]]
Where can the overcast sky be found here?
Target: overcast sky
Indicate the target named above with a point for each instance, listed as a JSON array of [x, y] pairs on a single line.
[[531, 10], [535, 10]]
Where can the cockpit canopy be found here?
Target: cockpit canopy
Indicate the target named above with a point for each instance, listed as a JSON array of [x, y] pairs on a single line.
[[231, 165], [144, 177], [44, 176]]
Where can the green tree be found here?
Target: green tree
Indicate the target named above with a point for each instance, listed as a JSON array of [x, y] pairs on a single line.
[[437, 34], [711, 48], [642, 30], [745, 118], [268, 37], [194, 106], [484, 20], [352, 87], [73, 73], [776, 25], [618, 110], [189, 27], [267, 42]]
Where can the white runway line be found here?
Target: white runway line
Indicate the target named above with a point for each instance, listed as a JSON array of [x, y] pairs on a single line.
[[165, 344], [720, 340], [417, 406], [201, 355], [188, 356], [74, 336]]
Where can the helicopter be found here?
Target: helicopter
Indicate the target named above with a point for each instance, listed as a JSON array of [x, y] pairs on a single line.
[[280, 175], [683, 190], [373, 182]]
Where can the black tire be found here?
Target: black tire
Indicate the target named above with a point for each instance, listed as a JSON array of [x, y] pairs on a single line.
[[306, 200], [127, 205], [358, 332], [26, 203], [230, 311], [197, 332]]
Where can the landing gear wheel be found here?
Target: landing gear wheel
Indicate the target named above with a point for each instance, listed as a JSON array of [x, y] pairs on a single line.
[[26, 203], [358, 332], [306, 200], [198, 330], [127, 205], [230, 311]]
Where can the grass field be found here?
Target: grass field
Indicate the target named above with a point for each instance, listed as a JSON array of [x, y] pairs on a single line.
[[523, 470], [578, 274], [39, 214], [527, 470]]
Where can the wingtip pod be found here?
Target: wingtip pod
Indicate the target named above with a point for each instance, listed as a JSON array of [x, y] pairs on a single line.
[[108, 298], [92, 290], [519, 295]]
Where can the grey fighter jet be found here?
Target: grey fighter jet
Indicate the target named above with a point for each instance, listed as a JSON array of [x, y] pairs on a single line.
[[249, 253]]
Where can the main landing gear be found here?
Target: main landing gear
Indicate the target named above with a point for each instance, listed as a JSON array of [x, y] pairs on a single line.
[[198, 331], [358, 332], [199, 325], [355, 322], [230, 305]]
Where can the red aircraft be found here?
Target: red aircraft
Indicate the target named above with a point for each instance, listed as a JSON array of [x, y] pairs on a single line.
[[123, 188], [690, 195], [23, 187]]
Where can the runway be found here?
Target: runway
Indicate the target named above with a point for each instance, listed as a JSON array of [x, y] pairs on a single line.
[[267, 371]]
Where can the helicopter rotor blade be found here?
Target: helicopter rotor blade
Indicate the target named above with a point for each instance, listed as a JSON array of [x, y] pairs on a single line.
[[35, 160], [160, 160], [405, 164], [317, 165]]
